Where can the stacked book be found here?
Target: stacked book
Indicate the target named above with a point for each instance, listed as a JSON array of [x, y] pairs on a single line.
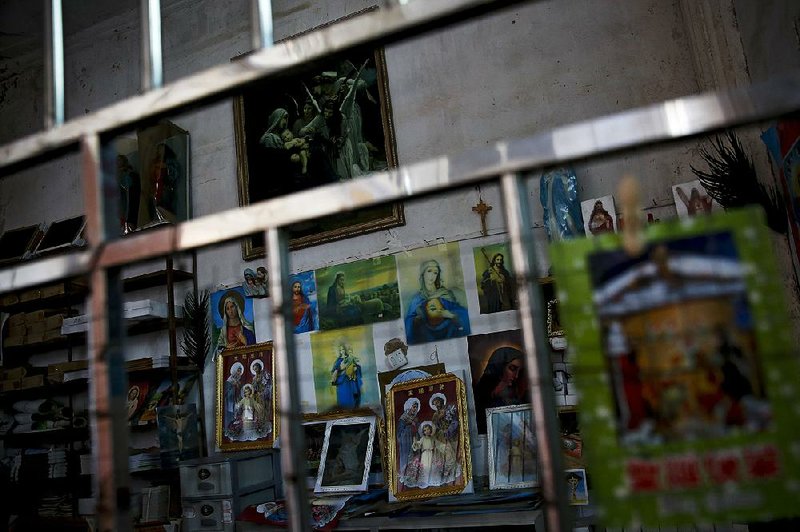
[[57, 461], [161, 361], [25, 328], [144, 461], [133, 311]]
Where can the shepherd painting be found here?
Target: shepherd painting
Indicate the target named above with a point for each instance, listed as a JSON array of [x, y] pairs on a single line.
[[358, 293], [496, 287], [432, 291], [427, 438], [246, 394]]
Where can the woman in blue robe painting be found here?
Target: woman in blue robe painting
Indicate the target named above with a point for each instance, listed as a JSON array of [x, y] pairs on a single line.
[[346, 376], [434, 313]]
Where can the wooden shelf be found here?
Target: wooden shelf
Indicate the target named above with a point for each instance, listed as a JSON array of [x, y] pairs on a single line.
[[158, 278], [43, 437], [46, 390]]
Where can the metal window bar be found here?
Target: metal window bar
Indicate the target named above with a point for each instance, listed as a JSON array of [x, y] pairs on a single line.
[[152, 63], [674, 119], [54, 64]]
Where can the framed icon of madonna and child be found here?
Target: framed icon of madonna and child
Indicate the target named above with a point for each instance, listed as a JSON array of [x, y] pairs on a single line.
[[428, 438], [324, 125], [246, 398]]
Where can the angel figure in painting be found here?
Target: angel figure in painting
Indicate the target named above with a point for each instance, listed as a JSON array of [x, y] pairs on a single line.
[[250, 418], [426, 464]]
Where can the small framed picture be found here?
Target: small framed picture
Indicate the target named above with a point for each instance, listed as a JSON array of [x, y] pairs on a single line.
[[246, 398], [346, 455], [512, 447], [578, 493], [427, 438], [599, 215]]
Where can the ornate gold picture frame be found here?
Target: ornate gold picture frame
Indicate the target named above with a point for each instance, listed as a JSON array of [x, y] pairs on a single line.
[[329, 124], [247, 398], [427, 438]]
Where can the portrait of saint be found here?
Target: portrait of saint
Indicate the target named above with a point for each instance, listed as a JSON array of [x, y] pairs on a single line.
[[232, 315], [345, 374], [497, 363], [303, 294], [691, 199], [599, 215], [496, 286], [432, 289], [255, 282]]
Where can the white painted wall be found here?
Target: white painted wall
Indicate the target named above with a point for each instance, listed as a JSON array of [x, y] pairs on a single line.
[[515, 73]]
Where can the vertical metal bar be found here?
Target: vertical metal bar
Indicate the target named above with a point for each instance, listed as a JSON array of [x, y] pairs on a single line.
[[292, 438], [262, 23], [54, 64], [108, 382], [537, 353], [152, 65], [172, 328]]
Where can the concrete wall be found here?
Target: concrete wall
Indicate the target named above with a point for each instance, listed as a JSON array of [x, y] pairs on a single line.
[[515, 73]]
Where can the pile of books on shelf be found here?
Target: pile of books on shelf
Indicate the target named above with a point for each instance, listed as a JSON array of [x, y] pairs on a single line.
[[68, 371], [161, 361], [133, 311], [43, 325], [57, 461], [144, 461]]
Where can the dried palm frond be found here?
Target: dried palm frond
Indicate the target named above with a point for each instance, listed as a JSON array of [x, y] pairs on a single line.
[[196, 337], [731, 180]]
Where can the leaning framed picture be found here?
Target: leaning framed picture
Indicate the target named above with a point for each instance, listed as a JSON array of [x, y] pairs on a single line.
[[428, 443], [246, 398], [512, 447], [328, 124], [346, 455]]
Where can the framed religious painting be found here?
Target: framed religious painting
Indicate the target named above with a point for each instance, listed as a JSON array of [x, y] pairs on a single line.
[[246, 398], [682, 365], [346, 455], [512, 447], [427, 438], [327, 124]]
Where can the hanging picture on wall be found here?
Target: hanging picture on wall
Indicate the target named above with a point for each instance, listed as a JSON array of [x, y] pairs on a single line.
[[512, 447], [246, 398], [345, 376], [388, 378], [691, 199], [303, 290], [497, 363], [496, 287], [599, 215], [577, 492], [326, 125], [432, 292], [682, 371], [427, 438], [178, 437], [358, 293], [346, 455], [231, 319], [256, 282]]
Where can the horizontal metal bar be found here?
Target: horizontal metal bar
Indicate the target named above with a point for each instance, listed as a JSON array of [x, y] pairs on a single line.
[[372, 28], [670, 120]]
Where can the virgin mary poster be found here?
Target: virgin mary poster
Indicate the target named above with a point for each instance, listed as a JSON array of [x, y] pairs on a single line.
[[232, 319], [432, 293]]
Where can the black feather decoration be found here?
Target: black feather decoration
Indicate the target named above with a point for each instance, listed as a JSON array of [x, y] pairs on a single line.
[[731, 180], [196, 336]]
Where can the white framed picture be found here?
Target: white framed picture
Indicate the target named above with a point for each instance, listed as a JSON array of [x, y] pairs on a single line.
[[691, 199], [599, 215], [346, 455], [512, 447]]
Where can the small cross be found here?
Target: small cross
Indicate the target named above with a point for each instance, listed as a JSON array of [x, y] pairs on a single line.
[[482, 209]]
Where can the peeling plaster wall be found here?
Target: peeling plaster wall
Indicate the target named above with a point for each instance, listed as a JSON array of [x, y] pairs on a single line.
[[515, 73]]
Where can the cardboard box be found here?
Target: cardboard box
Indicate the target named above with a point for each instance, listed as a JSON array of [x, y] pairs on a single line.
[[14, 341], [30, 295], [16, 319], [53, 290], [61, 367], [13, 374], [9, 299], [34, 316], [53, 322], [35, 338], [53, 335], [7, 386], [35, 328], [16, 330], [31, 382]]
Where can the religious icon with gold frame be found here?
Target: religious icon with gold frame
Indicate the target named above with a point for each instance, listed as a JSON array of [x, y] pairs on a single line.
[[246, 398], [427, 438]]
